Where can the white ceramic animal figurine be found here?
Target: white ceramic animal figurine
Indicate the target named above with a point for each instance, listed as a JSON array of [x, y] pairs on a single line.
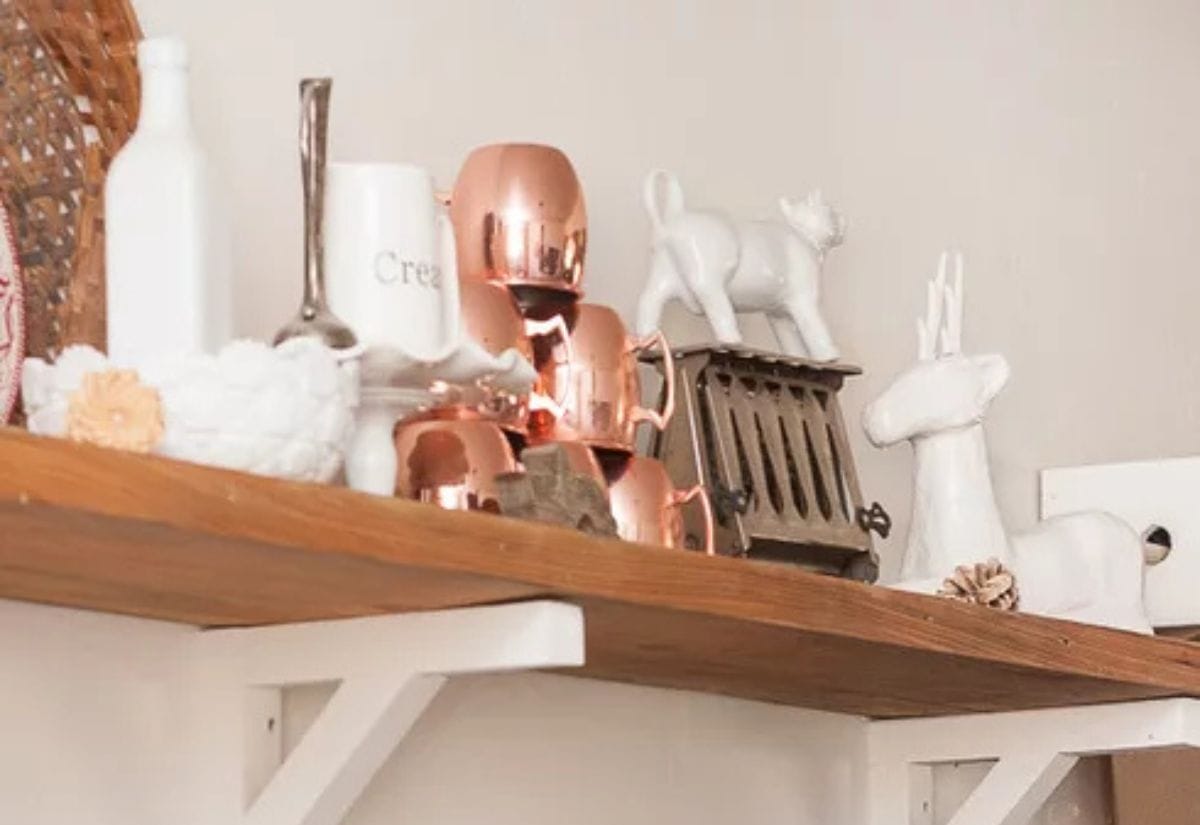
[[718, 267], [1086, 567]]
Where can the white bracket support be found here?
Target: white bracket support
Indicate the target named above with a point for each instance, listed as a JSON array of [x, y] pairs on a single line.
[[1033, 752], [388, 669]]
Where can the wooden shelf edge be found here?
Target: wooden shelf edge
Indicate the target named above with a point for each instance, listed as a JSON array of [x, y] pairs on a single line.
[[146, 536]]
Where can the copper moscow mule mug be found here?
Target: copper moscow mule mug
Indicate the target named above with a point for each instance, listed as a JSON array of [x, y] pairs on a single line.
[[451, 457], [519, 218], [490, 316], [597, 382], [647, 506]]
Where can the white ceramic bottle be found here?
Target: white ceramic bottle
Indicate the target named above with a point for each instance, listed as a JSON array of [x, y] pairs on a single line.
[[167, 257]]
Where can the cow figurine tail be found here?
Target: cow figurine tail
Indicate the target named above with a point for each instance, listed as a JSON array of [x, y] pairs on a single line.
[[664, 200]]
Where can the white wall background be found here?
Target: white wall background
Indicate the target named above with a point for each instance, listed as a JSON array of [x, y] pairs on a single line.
[[96, 715], [549, 749], [99, 715], [87, 717], [1057, 144]]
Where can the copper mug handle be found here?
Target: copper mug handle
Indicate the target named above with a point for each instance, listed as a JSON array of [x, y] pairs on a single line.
[[681, 497], [541, 329], [658, 418]]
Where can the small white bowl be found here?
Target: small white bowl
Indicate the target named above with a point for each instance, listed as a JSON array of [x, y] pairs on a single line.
[[284, 411]]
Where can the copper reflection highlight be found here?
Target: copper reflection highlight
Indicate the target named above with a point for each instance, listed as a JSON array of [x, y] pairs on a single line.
[[451, 458], [647, 507], [519, 217], [596, 380]]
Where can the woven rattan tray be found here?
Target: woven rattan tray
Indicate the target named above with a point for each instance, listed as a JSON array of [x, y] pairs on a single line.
[[69, 100]]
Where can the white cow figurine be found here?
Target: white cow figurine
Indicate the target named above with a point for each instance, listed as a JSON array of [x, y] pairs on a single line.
[[718, 267], [1086, 567]]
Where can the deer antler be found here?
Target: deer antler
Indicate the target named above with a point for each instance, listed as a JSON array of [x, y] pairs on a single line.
[[940, 332], [952, 327], [927, 327]]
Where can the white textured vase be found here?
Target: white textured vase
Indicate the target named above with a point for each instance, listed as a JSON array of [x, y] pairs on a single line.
[[167, 252]]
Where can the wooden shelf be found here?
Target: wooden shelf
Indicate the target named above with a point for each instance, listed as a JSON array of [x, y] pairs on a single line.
[[90, 528]]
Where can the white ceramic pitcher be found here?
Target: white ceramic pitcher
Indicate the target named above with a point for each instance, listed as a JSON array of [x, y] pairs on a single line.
[[390, 266]]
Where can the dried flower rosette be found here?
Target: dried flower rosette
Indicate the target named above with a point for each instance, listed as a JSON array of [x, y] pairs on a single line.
[[115, 409]]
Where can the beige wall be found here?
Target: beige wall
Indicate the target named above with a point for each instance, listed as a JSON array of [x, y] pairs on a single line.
[[100, 717], [105, 722], [1057, 144], [533, 750], [89, 719]]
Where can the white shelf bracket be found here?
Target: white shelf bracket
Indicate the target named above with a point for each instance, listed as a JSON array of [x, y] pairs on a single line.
[[388, 669], [1033, 751]]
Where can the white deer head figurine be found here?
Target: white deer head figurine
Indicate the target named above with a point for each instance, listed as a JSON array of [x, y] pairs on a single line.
[[938, 404], [1088, 567], [945, 389]]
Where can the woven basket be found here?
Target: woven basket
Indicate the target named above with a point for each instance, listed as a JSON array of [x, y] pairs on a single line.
[[69, 83]]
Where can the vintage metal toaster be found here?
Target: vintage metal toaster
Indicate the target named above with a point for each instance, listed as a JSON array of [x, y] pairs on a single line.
[[764, 433]]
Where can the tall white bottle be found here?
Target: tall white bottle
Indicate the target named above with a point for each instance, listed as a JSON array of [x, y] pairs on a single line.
[[167, 256]]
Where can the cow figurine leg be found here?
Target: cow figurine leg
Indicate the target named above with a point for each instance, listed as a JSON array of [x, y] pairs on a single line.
[[810, 326], [787, 333]]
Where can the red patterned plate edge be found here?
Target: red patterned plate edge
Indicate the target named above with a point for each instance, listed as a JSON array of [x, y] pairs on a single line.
[[12, 321]]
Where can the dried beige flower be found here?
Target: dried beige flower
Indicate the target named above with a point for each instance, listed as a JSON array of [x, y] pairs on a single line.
[[115, 409]]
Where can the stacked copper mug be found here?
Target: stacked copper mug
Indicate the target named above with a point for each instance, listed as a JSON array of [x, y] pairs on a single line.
[[521, 231]]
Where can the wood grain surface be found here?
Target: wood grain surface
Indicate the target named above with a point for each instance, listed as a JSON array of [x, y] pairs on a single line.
[[91, 528]]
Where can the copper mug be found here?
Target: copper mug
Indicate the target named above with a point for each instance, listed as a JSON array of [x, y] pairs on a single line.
[[647, 507], [519, 218], [451, 457], [597, 382], [490, 316]]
